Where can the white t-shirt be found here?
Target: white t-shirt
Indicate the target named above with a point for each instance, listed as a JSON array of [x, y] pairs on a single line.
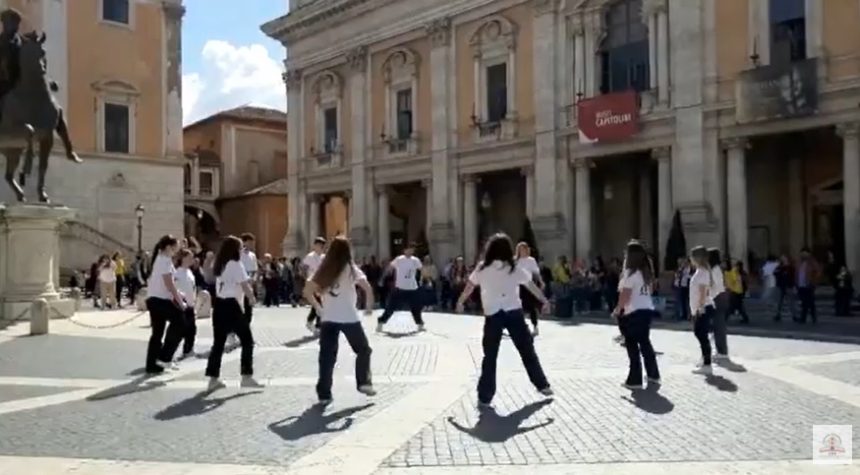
[[312, 261], [719, 283], [406, 269], [163, 266], [249, 261], [701, 277], [640, 294], [229, 283], [108, 274], [528, 264], [768, 271], [186, 285], [500, 288], [339, 302]]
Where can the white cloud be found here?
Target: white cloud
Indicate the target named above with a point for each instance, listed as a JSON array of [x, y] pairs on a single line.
[[232, 76]]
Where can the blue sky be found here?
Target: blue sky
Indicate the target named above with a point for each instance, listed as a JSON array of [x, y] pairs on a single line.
[[226, 60]]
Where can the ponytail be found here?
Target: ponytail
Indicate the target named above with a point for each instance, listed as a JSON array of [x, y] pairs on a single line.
[[166, 241]]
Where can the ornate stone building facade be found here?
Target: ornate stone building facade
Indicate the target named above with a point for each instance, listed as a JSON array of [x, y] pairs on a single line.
[[593, 120]]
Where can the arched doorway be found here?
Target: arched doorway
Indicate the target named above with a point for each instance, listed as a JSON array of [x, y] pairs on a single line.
[[203, 226]]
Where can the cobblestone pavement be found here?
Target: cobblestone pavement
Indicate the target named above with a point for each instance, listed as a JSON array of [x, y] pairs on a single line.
[[76, 401]]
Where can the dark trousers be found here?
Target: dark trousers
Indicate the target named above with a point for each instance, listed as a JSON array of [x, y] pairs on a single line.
[[531, 306], [312, 316], [719, 323], [736, 305], [329, 335], [120, 283], [636, 329], [682, 303], [515, 323], [190, 330], [400, 298], [842, 303], [227, 317], [247, 310], [807, 303], [701, 328], [162, 312], [273, 290]]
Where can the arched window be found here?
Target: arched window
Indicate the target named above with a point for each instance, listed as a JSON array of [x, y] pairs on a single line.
[[624, 53]]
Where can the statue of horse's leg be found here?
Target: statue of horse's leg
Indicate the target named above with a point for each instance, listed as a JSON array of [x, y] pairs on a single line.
[[63, 132], [13, 156], [28, 164], [46, 143]]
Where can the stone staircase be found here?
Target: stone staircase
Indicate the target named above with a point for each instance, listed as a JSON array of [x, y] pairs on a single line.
[[106, 244]]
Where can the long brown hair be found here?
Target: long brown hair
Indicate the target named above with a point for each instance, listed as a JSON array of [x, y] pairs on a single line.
[[337, 258], [229, 251], [636, 259]]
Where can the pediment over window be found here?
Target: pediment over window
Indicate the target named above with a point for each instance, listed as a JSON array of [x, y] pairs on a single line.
[[115, 86], [401, 64], [494, 32], [327, 84]]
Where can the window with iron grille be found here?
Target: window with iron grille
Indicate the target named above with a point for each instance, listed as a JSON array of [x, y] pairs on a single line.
[[624, 54]]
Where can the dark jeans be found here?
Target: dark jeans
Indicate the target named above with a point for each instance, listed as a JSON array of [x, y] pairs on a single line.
[[228, 317], [120, 283], [329, 335], [515, 323], [736, 305], [719, 323], [247, 310], [400, 298], [636, 329], [312, 316], [785, 298], [682, 303], [531, 305], [273, 290], [701, 328], [162, 312], [807, 303], [190, 330]]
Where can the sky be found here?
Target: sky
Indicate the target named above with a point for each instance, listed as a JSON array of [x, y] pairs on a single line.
[[226, 60]]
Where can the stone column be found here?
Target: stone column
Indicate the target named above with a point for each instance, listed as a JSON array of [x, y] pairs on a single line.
[[665, 212], [577, 31], [358, 229], [315, 204], [384, 234], [582, 169], [294, 243], [646, 231], [529, 176], [470, 219], [736, 190], [663, 53], [851, 177], [172, 77], [426, 185]]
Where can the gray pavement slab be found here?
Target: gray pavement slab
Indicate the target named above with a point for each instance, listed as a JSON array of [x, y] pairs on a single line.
[[845, 371], [62, 356], [12, 392]]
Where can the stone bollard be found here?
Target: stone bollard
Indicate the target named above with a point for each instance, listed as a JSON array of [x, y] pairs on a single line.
[[39, 317], [140, 300], [76, 296]]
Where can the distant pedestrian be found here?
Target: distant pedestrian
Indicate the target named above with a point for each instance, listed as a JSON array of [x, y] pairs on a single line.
[[808, 273], [736, 285], [187, 286], [770, 291], [721, 303], [107, 282], [844, 284], [702, 306], [681, 286], [311, 263], [784, 275], [531, 304], [407, 269]]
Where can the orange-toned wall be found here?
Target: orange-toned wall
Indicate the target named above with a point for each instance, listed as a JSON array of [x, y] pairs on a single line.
[[732, 34], [842, 38], [265, 216], [335, 216], [522, 16], [136, 58], [205, 136], [310, 112]]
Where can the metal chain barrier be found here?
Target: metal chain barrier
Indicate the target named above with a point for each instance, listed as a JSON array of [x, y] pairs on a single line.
[[101, 327], [23, 316]]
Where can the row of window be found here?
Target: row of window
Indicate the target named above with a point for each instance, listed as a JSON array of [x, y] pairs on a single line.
[[207, 181]]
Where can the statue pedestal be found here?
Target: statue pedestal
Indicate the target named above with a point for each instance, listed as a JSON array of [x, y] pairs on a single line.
[[30, 260]]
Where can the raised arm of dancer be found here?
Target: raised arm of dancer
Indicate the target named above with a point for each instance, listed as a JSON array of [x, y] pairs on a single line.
[[467, 292], [534, 289], [310, 294], [365, 287]]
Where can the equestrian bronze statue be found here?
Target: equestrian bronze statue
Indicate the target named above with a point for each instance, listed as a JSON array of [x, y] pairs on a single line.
[[29, 111]]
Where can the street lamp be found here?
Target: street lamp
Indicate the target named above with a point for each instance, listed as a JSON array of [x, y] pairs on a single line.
[[139, 211]]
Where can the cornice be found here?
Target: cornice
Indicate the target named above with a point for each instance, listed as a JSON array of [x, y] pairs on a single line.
[[315, 17]]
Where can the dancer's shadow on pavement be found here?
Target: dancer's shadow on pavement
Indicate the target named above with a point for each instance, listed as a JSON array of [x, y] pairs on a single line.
[[315, 421], [299, 342], [650, 400], [494, 428], [137, 385], [397, 336], [197, 405], [731, 366], [722, 383]]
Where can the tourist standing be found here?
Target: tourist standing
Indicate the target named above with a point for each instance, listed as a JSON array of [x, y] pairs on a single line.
[[702, 306], [526, 263], [186, 284], [406, 268], [233, 286], [249, 262], [120, 270], [311, 263], [331, 290], [785, 283], [844, 285], [165, 305], [808, 272], [770, 292], [500, 279], [107, 282], [736, 286], [681, 285], [429, 283], [721, 304]]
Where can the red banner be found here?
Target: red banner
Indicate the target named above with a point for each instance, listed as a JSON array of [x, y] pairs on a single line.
[[608, 117]]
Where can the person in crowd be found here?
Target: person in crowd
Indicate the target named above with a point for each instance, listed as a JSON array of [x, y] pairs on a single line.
[[406, 269], [844, 287], [500, 279], [681, 286], [580, 284], [736, 279], [165, 305], [299, 278], [92, 285], [546, 276], [233, 287], [331, 290], [702, 307], [271, 281], [635, 311], [186, 284], [596, 277], [721, 304], [526, 263], [770, 291], [429, 283], [610, 283], [373, 271], [120, 271], [133, 282], [311, 263], [458, 276], [808, 273], [107, 282], [75, 280], [287, 282], [446, 292], [785, 282], [249, 262]]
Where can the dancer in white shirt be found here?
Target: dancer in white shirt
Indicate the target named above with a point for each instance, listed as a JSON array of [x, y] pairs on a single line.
[[721, 305], [407, 270], [187, 286], [702, 305], [311, 263], [500, 281], [249, 261], [528, 264], [165, 304], [332, 292]]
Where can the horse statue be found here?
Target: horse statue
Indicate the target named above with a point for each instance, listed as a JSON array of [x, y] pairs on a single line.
[[30, 113]]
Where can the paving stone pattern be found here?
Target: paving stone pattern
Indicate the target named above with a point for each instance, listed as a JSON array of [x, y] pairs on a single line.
[[738, 417], [271, 427], [61, 356], [844, 371]]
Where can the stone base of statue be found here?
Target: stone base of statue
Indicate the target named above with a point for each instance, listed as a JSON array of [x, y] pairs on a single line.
[[30, 261]]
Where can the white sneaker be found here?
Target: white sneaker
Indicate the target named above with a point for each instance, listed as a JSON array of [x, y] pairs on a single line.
[[633, 386], [721, 357], [535, 332], [325, 402], [547, 391], [706, 369], [215, 384], [311, 327], [654, 381], [367, 390], [251, 383], [485, 405], [421, 328], [379, 327]]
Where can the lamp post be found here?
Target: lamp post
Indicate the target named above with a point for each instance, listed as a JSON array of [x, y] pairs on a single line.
[[139, 211]]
